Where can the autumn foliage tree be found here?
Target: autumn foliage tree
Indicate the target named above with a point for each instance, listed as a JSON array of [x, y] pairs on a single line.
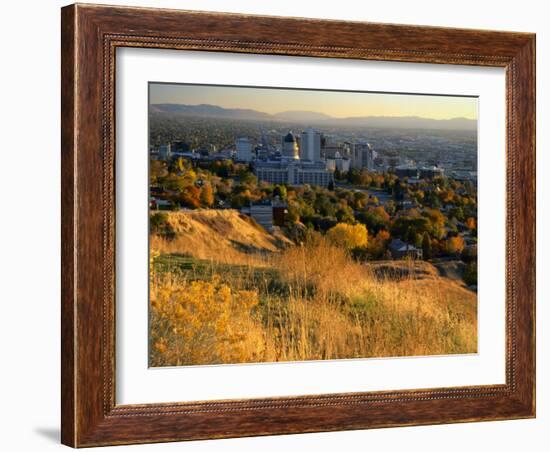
[[471, 223], [348, 236], [375, 218], [378, 244], [191, 197], [454, 245], [207, 195]]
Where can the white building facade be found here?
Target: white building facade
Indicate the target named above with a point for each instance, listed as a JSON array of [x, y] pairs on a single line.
[[293, 168], [244, 149], [294, 173], [310, 145], [262, 213], [165, 151]]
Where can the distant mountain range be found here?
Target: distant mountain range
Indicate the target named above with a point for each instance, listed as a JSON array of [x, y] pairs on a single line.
[[302, 116], [312, 117], [209, 111]]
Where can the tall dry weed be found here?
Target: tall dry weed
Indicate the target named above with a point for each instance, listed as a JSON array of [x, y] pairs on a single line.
[[328, 306]]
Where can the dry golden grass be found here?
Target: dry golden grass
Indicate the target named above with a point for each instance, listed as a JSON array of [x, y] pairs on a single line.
[[220, 235], [326, 306], [202, 322]]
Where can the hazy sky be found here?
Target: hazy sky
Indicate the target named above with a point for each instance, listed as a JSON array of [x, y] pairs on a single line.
[[334, 103]]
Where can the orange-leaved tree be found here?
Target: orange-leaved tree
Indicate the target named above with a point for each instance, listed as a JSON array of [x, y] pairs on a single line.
[[454, 245]]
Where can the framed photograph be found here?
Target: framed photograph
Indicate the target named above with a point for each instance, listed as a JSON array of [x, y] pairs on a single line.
[[282, 225]]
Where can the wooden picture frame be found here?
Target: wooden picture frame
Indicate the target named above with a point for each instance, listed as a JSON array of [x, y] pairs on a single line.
[[90, 36]]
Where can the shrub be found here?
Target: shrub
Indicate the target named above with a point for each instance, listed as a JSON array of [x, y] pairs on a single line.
[[469, 254], [203, 322], [470, 274], [159, 225]]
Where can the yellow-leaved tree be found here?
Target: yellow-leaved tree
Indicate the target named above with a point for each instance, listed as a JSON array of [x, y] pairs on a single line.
[[348, 236]]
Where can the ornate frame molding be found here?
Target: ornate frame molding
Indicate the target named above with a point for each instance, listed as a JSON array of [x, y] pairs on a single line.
[[90, 36]]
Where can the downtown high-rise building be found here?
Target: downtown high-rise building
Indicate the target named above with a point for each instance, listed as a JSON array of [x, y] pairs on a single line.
[[363, 156], [244, 149], [310, 145]]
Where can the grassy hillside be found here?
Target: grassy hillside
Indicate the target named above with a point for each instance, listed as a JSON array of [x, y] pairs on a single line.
[[225, 235], [225, 291]]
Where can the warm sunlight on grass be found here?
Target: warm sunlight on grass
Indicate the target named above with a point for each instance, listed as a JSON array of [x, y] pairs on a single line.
[[301, 303]]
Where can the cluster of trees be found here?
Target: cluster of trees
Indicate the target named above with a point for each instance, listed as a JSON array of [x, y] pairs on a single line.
[[439, 212], [461, 197], [321, 208], [367, 179], [215, 184]]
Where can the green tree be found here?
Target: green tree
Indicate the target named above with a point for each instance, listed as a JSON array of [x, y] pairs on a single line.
[[410, 235], [293, 214], [426, 246], [345, 214], [375, 218], [175, 183], [470, 274], [280, 191], [457, 213]]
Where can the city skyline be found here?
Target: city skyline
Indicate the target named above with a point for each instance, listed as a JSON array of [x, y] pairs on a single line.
[[336, 104]]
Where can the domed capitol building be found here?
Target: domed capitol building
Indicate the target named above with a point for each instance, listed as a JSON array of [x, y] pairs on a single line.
[[289, 147], [298, 165]]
